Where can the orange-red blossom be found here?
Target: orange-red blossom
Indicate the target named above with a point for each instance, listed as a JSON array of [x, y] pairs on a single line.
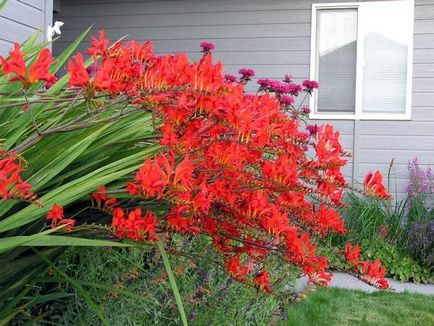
[[236, 167]]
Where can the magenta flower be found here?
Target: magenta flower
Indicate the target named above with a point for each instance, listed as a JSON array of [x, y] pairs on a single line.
[[228, 78], [313, 129], [246, 72], [264, 84], [51, 82], [309, 85], [287, 79], [294, 89], [286, 100], [305, 109], [207, 47]]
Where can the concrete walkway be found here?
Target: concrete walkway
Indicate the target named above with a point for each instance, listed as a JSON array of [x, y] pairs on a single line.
[[346, 281]]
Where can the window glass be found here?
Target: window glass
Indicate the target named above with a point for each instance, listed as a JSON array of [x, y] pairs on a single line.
[[336, 59]]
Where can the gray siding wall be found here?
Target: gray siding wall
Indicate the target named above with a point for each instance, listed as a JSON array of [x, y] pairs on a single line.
[[273, 37], [21, 18]]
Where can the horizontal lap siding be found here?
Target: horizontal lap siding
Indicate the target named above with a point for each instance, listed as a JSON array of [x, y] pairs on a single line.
[[19, 19], [273, 38]]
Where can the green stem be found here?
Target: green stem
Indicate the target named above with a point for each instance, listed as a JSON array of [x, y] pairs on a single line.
[[172, 282]]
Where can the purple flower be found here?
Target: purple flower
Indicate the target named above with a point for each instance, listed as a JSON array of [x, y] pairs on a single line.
[[207, 47], [421, 181]]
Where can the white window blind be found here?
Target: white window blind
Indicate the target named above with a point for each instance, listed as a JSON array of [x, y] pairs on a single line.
[[362, 58], [385, 48]]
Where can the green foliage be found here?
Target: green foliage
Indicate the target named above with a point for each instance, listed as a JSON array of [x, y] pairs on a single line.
[[378, 227], [419, 211], [70, 146], [398, 262], [210, 297], [331, 307], [367, 217]]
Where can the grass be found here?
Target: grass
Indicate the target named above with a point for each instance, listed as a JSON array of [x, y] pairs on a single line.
[[330, 306]]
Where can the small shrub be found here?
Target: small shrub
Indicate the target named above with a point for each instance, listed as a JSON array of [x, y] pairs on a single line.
[[421, 242]]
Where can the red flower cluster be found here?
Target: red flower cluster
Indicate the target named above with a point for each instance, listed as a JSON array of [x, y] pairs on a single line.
[[12, 185], [57, 218], [372, 273], [373, 185], [236, 166], [102, 201], [38, 71], [135, 226]]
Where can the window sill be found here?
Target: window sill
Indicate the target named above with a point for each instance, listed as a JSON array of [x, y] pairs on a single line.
[[380, 116]]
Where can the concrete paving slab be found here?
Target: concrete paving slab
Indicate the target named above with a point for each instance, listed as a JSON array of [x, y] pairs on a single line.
[[346, 281]]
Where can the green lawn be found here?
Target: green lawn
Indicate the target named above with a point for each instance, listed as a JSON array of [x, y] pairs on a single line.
[[329, 306]]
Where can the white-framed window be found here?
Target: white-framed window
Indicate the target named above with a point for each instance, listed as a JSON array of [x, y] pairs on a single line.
[[362, 56]]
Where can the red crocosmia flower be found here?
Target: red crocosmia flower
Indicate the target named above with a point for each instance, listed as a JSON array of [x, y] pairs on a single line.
[[262, 281], [373, 273], [38, 71], [352, 255], [55, 215], [329, 220], [373, 185], [118, 222], [235, 166], [11, 183], [69, 222], [135, 226], [142, 52], [99, 195], [99, 46], [238, 271], [15, 64], [79, 75], [101, 200], [57, 218], [40, 68], [178, 222]]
